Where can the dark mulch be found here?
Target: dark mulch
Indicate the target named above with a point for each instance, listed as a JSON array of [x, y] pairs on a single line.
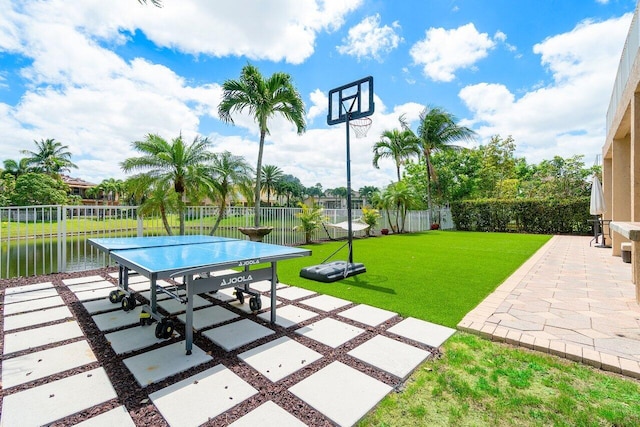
[[136, 398]]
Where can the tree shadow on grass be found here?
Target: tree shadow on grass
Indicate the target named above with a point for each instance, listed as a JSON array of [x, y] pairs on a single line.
[[358, 282]]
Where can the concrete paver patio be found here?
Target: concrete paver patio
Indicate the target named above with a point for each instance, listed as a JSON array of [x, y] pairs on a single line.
[[571, 300], [280, 354]]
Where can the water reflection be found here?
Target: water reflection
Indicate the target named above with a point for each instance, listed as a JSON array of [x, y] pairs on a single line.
[[40, 256]]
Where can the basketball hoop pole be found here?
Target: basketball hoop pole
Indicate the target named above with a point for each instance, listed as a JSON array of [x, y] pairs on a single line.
[[349, 228]]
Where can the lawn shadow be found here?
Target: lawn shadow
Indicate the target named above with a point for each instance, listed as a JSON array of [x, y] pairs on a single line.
[[357, 281]]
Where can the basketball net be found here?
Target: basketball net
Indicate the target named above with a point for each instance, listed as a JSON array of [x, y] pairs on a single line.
[[360, 126]]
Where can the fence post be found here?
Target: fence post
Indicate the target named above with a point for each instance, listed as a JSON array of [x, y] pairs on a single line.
[[140, 224]]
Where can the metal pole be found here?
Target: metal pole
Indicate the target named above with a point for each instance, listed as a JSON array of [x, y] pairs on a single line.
[[349, 193]]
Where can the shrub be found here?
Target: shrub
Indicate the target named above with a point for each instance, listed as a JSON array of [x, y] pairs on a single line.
[[539, 216]]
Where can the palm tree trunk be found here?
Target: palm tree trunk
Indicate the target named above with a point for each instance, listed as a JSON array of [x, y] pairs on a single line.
[[256, 212], [223, 207], [165, 221], [181, 213]]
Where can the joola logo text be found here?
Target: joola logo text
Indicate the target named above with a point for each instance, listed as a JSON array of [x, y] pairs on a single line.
[[236, 280], [249, 262]]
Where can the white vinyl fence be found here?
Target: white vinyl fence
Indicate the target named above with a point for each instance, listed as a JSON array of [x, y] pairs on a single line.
[[48, 239]]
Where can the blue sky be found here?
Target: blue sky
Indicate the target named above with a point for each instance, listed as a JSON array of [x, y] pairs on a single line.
[[97, 75]]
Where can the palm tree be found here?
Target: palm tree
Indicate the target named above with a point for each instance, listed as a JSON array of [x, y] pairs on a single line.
[[177, 164], [111, 188], [311, 218], [270, 177], [402, 197], [154, 197], [438, 131], [17, 168], [400, 145], [263, 98], [51, 157], [227, 172]]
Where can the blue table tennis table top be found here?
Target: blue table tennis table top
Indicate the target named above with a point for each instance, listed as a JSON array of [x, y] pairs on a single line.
[[167, 255], [109, 244]]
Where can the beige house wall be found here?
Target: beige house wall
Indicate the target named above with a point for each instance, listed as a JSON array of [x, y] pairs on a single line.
[[621, 150]]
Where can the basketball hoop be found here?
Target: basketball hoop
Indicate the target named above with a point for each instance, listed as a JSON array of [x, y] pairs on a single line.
[[360, 126]]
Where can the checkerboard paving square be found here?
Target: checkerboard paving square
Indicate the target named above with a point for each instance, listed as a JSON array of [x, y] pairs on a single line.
[[195, 400], [22, 307], [36, 318], [330, 332], [85, 279], [47, 403], [209, 316], [268, 414], [138, 278], [99, 305], [41, 364], [93, 294], [116, 417], [265, 286], [28, 296], [392, 356], [325, 302], [90, 286], [28, 288], [279, 358], [371, 316], [135, 338], [174, 306], [237, 334], [294, 293], [224, 295], [156, 365], [289, 315], [32, 338], [117, 319], [422, 332], [341, 393]]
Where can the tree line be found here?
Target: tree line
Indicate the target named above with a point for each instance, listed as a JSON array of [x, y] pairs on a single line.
[[431, 169]]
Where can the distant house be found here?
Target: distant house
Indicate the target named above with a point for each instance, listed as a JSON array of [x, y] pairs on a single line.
[[79, 187]]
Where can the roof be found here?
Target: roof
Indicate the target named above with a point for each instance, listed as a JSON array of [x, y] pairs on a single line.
[[76, 182]]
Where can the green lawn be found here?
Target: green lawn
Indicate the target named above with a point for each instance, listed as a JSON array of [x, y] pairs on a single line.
[[481, 383], [437, 276]]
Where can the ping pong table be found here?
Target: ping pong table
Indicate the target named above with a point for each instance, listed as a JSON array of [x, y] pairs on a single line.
[[193, 258]]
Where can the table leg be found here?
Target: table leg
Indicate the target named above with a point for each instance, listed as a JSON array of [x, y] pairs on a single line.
[[274, 301], [188, 327]]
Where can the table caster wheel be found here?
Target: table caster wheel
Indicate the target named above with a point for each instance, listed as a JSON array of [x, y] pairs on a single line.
[[164, 329], [255, 303], [129, 302], [145, 319], [116, 296], [240, 296]]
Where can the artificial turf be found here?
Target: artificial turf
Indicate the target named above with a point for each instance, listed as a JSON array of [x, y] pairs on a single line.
[[438, 276]]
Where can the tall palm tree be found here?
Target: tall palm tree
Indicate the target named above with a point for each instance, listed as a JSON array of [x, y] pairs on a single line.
[[227, 172], [51, 157], [438, 131], [263, 98], [400, 145], [270, 177], [180, 165], [17, 168]]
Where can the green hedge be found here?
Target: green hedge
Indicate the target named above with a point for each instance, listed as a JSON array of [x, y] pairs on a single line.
[[548, 216]]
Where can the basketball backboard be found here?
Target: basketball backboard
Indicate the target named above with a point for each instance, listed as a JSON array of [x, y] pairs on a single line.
[[355, 98]]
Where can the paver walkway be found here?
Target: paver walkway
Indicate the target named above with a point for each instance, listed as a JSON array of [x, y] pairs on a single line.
[[571, 300], [336, 358]]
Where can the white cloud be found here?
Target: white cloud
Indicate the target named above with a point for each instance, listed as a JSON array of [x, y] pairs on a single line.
[[320, 102], [567, 116], [369, 40], [442, 52]]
